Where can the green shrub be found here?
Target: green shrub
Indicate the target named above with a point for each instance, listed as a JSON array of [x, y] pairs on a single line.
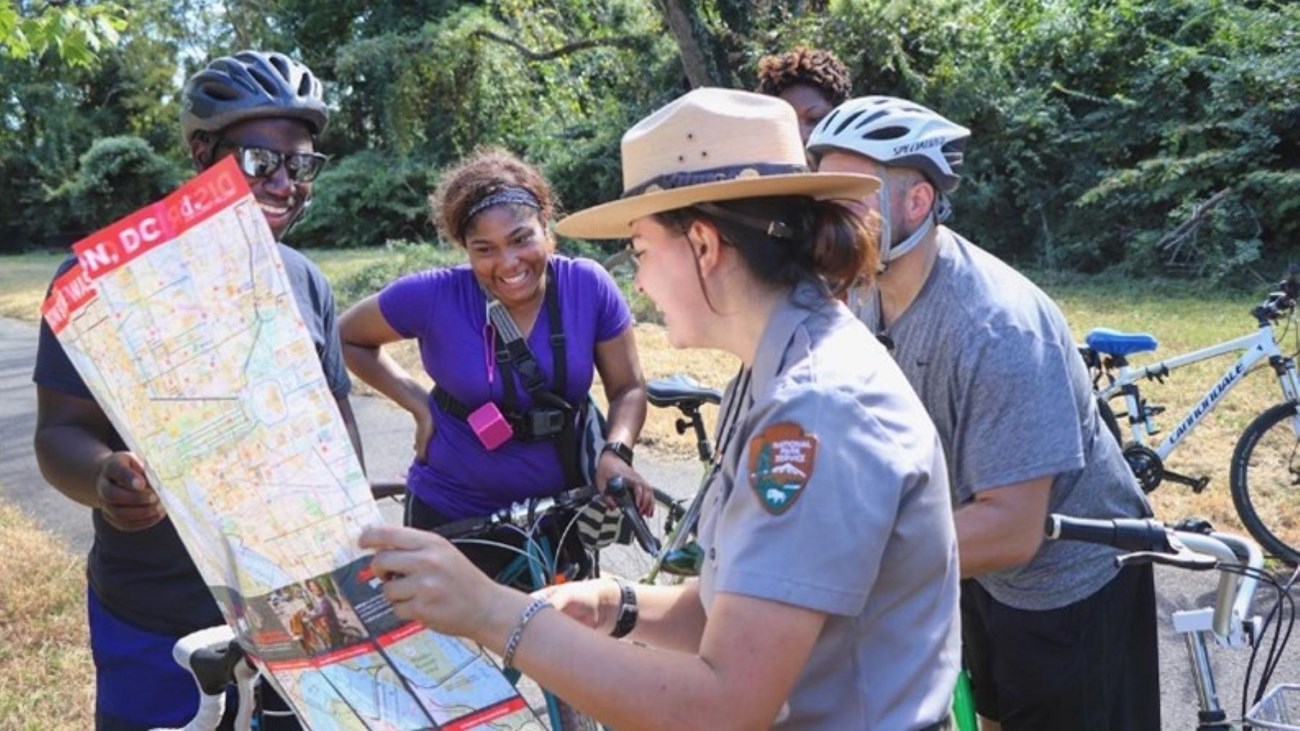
[[404, 257], [114, 177], [366, 199]]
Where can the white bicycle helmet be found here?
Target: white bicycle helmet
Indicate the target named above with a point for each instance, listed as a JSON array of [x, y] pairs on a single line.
[[897, 133], [251, 85]]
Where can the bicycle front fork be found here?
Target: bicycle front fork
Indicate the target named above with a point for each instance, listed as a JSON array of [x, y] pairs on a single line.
[[1211, 716]]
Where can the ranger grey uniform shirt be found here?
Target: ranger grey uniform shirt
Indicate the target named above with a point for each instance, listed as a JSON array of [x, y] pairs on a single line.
[[994, 362], [831, 494]]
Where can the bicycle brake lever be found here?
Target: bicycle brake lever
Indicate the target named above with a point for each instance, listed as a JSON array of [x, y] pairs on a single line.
[[1184, 559]]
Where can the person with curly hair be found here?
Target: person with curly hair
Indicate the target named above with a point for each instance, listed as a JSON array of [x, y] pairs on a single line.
[[572, 317], [811, 80]]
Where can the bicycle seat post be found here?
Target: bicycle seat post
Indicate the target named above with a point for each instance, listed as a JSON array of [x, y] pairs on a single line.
[[702, 445]]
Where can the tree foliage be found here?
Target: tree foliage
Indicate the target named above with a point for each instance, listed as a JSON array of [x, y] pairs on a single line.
[[75, 35], [1106, 133], [114, 177]]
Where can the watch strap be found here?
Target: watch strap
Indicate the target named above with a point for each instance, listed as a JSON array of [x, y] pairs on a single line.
[[620, 450], [627, 609]]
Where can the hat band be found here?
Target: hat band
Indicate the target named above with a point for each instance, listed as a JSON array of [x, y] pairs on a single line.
[[713, 175]]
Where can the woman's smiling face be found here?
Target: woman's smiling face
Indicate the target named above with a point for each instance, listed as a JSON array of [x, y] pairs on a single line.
[[508, 248]]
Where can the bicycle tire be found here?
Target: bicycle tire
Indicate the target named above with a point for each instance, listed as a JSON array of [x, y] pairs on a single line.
[[571, 719], [1265, 476], [627, 559], [1108, 418]]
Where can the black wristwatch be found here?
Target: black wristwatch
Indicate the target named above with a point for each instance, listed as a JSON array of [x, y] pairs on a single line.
[[620, 450], [627, 609]]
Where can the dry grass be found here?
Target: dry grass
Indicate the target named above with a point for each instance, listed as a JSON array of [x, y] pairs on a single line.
[[1182, 322], [23, 281], [46, 675]]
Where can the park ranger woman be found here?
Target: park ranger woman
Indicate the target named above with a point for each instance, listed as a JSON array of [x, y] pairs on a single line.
[[828, 595]]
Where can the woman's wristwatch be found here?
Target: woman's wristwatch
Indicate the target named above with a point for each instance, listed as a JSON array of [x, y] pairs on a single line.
[[620, 450], [627, 609]]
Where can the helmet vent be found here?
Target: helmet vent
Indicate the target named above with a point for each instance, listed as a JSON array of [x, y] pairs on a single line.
[[281, 64], [220, 92], [870, 118], [847, 121], [886, 133], [268, 84]]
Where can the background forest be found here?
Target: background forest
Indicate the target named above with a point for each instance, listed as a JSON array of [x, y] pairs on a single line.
[[1138, 136]]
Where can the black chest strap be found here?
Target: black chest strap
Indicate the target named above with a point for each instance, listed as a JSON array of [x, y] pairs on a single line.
[[551, 415]]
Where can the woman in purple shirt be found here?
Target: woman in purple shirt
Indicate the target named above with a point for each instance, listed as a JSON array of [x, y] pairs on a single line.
[[498, 208]]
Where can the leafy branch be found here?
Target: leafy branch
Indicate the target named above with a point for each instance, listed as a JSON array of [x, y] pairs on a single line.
[[77, 35]]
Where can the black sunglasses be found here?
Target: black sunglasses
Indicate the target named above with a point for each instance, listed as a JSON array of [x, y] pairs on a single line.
[[259, 162]]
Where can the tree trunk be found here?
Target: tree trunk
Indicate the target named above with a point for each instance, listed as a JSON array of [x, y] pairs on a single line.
[[678, 15]]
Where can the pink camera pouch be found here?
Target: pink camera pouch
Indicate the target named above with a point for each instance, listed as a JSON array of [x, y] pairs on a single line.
[[490, 425]]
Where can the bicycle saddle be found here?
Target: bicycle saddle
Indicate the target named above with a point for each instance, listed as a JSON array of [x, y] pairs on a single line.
[[681, 391], [1114, 342]]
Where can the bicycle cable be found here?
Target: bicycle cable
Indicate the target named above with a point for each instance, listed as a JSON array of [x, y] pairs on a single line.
[[1274, 659], [1280, 639]]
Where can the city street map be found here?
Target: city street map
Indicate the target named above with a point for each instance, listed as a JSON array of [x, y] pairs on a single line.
[[181, 320]]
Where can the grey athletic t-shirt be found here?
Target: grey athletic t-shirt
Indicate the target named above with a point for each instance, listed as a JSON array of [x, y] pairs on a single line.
[[992, 359]]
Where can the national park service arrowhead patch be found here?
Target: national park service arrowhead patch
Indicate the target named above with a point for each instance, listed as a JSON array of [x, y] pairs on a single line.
[[780, 464]]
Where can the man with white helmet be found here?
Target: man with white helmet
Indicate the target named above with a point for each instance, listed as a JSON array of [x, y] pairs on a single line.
[[1055, 636], [145, 592]]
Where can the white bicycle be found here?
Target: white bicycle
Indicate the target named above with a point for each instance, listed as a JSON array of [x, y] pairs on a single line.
[[1192, 545], [1265, 469]]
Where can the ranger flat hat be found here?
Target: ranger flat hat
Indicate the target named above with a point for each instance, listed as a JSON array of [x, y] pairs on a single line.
[[711, 145]]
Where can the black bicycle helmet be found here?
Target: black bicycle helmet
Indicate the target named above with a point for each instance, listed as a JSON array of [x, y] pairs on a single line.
[[251, 85]]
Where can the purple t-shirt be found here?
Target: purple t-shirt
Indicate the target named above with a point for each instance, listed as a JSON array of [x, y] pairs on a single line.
[[446, 311]]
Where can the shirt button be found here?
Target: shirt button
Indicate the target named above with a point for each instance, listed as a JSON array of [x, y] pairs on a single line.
[[713, 554]]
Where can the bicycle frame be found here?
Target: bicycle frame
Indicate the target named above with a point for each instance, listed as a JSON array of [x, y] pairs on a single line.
[[1229, 622], [1258, 346]]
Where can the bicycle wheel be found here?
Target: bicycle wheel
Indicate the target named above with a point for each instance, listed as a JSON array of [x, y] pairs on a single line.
[[1108, 418], [627, 559], [1265, 481]]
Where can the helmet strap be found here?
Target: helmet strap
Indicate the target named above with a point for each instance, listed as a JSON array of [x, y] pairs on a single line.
[[939, 212], [886, 231]]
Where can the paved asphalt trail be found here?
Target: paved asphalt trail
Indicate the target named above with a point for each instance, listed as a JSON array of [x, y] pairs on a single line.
[[386, 434]]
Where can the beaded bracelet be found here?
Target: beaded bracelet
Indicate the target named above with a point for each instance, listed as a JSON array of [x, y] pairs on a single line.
[[517, 634]]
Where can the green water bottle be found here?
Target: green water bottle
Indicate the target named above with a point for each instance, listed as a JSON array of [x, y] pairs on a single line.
[[963, 704]]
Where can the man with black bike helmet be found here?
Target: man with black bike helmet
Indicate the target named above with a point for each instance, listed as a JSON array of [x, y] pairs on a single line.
[[1054, 635], [144, 590]]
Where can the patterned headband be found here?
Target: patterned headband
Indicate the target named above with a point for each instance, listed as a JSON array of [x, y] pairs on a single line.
[[519, 196]]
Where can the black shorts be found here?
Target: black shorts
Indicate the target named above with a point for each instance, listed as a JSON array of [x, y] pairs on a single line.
[[1089, 666]]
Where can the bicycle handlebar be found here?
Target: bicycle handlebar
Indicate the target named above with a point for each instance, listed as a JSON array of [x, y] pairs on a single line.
[[521, 514], [1283, 300], [1151, 541], [1127, 534], [622, 495], [216, 660]]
